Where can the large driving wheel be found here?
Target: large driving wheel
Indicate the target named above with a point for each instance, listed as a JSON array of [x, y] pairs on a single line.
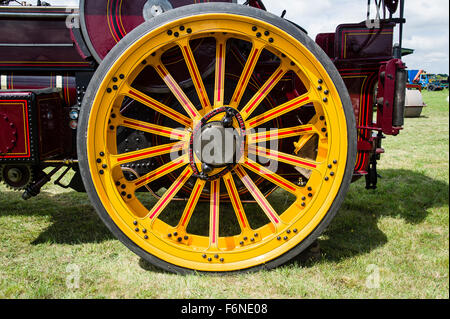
[[201, 70]]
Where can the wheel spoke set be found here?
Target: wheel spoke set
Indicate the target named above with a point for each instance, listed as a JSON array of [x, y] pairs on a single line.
[[237, 160]]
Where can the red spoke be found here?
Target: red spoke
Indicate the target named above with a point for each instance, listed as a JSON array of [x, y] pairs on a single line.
[[191, 204], [263, 92], [146, 153], [195, 75], [271, 176], [284, 157], [160, 172], [170, 193], [258, 196], [157, 106], [246, 74], [178, 92], [276, 134], [214, 213], [279, 111], [153, 129], [236, 202], [219, 91]]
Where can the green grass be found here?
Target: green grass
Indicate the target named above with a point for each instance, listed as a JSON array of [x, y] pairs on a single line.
[[401, 228]]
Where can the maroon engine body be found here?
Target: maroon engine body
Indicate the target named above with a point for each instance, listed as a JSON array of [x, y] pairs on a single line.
[[45, 67]]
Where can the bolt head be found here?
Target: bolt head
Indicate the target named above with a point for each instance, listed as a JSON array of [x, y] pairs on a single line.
[[227, 122], [207, 168]]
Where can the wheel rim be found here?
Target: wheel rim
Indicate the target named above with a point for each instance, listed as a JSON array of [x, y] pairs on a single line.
[[253, 245]]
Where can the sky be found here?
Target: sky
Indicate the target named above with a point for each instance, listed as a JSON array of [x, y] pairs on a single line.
[[426, 30]]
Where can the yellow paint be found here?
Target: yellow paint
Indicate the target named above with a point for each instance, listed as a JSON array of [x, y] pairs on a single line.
[[189, 253]]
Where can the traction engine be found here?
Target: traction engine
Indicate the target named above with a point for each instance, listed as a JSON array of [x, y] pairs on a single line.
[[209, 136]]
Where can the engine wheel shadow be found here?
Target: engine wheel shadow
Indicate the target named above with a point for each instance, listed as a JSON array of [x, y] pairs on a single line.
[[354, 231]]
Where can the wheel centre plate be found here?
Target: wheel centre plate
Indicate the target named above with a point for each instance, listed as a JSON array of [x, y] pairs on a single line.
[[217, 144]]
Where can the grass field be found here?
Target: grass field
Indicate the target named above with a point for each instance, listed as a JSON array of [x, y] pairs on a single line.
[[392, 242]]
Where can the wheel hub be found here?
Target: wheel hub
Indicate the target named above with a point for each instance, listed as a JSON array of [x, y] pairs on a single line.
[[217, 143]]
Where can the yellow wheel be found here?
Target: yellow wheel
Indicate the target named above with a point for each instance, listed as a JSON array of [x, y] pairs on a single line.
[[183, 201]]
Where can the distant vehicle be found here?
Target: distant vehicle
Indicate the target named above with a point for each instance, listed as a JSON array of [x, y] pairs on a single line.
[[431, 82]]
